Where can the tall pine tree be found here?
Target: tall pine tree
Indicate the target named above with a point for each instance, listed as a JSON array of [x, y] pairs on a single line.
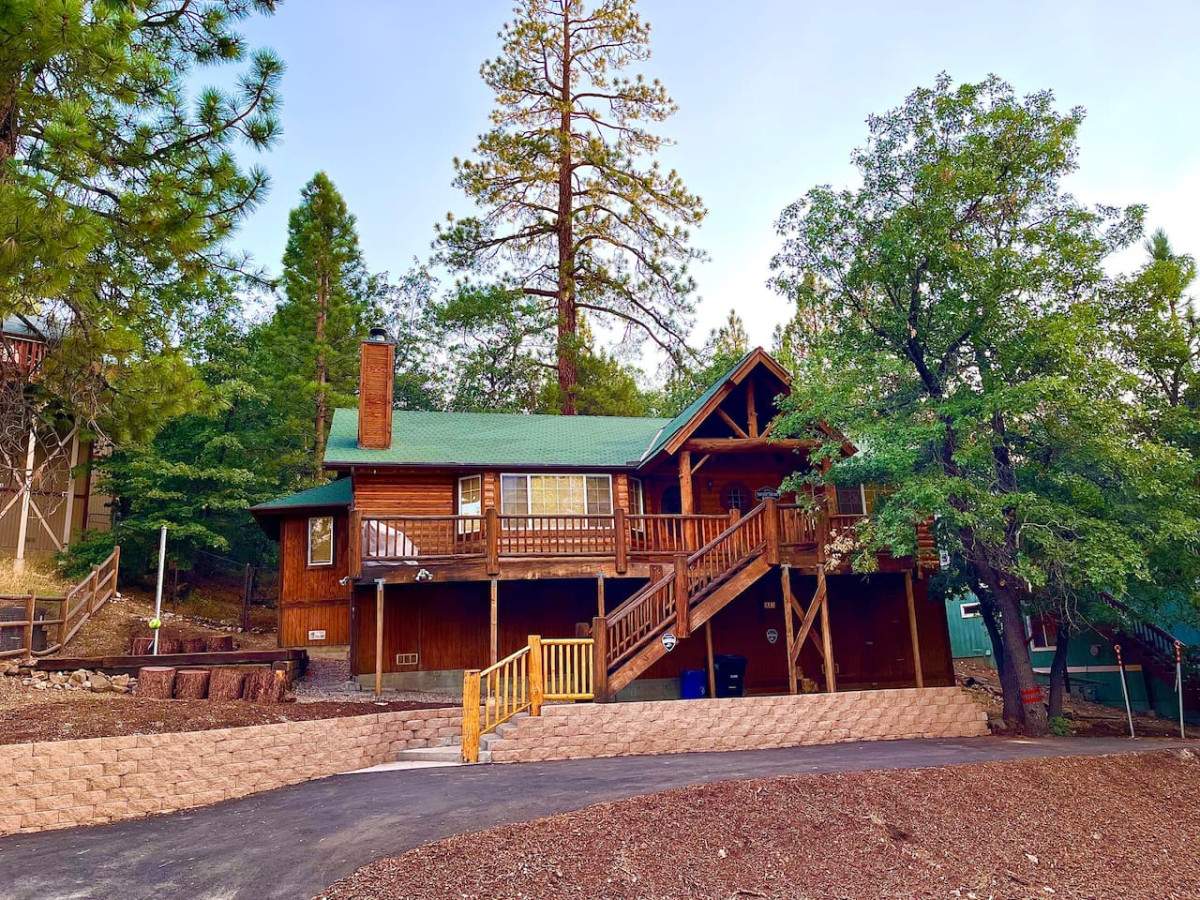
[[573, 217], [312, 341]]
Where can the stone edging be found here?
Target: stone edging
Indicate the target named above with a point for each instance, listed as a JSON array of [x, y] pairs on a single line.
[[58, 784]]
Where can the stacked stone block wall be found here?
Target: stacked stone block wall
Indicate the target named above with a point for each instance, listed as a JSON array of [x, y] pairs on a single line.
[[582, 731], [62, 783]]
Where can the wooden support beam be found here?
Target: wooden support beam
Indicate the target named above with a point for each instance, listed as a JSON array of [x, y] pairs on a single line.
[[600, 659], [600, 594], [379, 582], [751, 408], [491, 537], [737, 429], [681, 597], [621, 540], [826, 636], [788, 630], [537, 684], [746, 445], [712, 666], [810, 617], [494, 618], [912, 629], [470, 717], [686, 497], [705, 458], [771, 530]]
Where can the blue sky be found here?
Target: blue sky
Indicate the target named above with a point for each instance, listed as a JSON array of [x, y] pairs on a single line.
[[382, 94]]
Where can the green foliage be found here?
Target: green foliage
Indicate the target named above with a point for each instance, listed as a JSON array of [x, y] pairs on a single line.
[[572, 218], [963, 298], [688, 380], [1060, 727], [311, 344], [119, 186], [93, 548]]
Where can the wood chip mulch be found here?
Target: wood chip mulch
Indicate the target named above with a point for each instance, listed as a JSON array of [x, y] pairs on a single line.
[[1083, 828], [109, 715]]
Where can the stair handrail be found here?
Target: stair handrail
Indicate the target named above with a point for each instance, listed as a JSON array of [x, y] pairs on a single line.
[[494, 695], [1158, 639]]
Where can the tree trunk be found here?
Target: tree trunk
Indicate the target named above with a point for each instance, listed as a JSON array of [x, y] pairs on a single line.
[[264, 685], [226, 683], [322, 374], [1009, 692], [1058, 670], [191, 684], [1032, 715], [567, 318], [195, 645], [221, 643], [155, 683]]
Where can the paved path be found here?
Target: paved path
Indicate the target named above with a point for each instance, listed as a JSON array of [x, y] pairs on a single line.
[[292, 842]]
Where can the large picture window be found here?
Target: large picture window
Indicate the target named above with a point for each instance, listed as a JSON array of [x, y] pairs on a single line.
[[556, 495], [320, 541]]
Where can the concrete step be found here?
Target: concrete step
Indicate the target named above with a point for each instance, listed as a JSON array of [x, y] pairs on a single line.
[[486, 741], [446, 755]]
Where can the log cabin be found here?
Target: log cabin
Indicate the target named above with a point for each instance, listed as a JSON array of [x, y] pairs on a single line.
[[661, 543]]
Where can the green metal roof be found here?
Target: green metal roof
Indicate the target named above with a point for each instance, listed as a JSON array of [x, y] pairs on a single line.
[[336, 493], [692, 408], [496, 439]]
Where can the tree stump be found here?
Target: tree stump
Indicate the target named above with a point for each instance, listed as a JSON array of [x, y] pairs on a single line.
[[141, 646], [195, 645], [191, 684], [155, 682], [169, 645], [226, 683], [222, 643], [265, 685]]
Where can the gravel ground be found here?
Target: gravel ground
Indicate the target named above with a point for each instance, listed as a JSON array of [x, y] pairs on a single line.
[[326, 679], [1100, 828]]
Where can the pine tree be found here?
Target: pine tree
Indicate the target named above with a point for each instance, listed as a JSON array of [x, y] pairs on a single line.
[[572, 218], [330, 303]]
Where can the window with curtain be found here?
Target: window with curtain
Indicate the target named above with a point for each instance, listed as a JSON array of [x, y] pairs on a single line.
[[320, 541], [556, 495]]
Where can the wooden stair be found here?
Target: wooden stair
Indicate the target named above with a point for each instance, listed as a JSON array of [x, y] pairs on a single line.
[[629, 639]]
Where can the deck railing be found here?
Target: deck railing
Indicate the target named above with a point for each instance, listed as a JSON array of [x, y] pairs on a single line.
[[20, 615], [544, 669]]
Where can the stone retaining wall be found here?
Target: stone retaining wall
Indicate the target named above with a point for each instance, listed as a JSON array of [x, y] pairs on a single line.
[[57, 784], [582, 731]]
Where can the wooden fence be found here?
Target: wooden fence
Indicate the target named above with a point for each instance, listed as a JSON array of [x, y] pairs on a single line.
[[30, 634]]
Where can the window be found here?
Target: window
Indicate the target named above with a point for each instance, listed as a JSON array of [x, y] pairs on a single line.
[[320, 541], [470, 502], [737, 496], [556, 495], [637, 498], [851, 501], [970, 611]]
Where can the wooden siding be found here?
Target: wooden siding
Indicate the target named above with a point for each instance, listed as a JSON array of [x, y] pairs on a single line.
[[375, 379], [297, 620], [311, 598], [405, 493]]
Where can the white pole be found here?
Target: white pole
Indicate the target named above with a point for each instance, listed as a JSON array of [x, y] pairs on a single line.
[[26, 499], [162, 562], [1179, 684], [1125, 690]]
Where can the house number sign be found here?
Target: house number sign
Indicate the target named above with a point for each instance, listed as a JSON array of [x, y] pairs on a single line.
[[772, 635], [668, 641]]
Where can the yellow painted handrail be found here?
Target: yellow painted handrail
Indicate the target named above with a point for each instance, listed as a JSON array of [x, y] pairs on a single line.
[[551, 669]]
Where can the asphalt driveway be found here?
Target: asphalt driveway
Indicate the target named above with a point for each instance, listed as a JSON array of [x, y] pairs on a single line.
[[292, 842]]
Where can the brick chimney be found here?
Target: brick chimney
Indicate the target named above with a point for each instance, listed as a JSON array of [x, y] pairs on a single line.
[[376, 376]]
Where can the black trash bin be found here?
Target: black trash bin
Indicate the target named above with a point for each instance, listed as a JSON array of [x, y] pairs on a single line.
[[731, 675]]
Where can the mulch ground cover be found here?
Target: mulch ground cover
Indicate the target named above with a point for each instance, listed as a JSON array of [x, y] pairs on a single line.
[[1101, 828], [110, 715]]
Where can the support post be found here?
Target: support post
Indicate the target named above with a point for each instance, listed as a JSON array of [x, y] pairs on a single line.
[[470, 719], [687, 505], [600, 659], [599, 593], [537, 683], [771, 530], [247, 591], [379, 583], [620, 523], [681, 596], [751, 408], [789, 632], [356, 544], [491, 532], [26, 499], [30, 607], [826, 636], [94, 591], [912, 628], [712, 668], [69, 512], [494, 618]]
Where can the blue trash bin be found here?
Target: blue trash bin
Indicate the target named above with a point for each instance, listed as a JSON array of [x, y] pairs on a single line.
[[693, 684]]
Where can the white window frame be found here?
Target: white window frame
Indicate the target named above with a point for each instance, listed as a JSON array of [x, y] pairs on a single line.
[[636, 488], [529, 493], [971, 610], [332, 541], [465, 527]]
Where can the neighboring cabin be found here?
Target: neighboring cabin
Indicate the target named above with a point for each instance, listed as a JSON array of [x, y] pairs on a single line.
[[47, 492], [485, 528]]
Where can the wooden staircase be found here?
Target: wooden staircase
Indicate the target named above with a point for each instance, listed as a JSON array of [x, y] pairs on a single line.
[[630, 638]]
